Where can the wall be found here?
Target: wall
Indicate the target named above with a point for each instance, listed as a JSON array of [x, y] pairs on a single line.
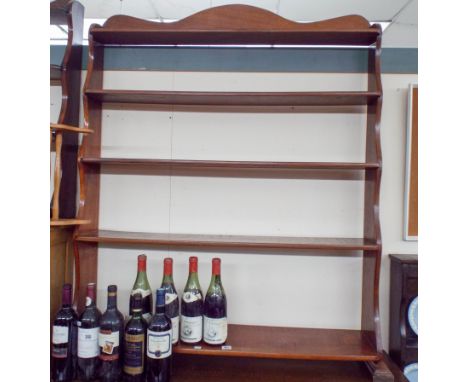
[[288, 290]]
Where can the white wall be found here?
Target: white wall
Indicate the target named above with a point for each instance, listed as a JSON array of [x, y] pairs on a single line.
[[296, 290]]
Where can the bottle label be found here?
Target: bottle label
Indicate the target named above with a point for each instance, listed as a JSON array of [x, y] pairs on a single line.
[[175, 329], [134, 354], [170, 297], [59, 335], [88, 301], [214, 330], [109, 345], [191, 297], [191, 329], [88, 346], [159, 344]]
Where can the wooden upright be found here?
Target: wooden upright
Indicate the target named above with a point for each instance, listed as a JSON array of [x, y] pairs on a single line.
[[244, 25]]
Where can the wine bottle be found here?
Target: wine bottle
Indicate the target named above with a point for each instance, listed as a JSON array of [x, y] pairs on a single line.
[[159, 343], [191, 318], [172, 299], [64, 339], [88, 336], [215, 327], [142, 286], [111, 339], [135, 343]]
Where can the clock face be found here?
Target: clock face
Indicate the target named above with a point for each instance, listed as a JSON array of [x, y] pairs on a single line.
[[411, 372], [413, 315]]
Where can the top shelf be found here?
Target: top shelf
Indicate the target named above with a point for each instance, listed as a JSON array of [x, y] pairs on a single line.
[[236, 25]]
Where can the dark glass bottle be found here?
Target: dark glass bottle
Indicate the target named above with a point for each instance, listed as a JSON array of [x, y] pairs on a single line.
[[172, 299], [64, 339], [215, 327], [111, 329], [142, 286], [135, 344], [191, 318], [159, 343], [88, 337]]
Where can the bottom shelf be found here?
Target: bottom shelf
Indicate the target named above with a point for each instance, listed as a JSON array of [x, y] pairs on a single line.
[[224, 369], [289, 343]]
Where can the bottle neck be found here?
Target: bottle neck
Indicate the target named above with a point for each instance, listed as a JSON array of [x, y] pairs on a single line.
[[167, 279], [91, 296], [192, 281], [66, 297], [136, 314], [160, 309], [111, 300], [215, 282]]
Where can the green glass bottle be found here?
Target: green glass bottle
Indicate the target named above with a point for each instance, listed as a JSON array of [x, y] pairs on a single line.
[[172, 299], [215, 327], [142, 286], [191, 318]]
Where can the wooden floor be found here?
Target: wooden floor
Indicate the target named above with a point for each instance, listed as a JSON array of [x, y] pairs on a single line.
[[228, 369]]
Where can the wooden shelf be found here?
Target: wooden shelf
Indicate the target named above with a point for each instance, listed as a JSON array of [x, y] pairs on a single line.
[[249, 99], [73, 129], [217, 164], [289, 343], [232, 369], [67, 222], [55, 74], [236, 24], [226, 241]]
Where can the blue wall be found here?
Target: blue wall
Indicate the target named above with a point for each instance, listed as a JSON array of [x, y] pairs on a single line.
[[394, 60]]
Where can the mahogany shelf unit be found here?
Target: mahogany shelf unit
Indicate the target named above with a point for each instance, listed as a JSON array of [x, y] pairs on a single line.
[[246, 25]]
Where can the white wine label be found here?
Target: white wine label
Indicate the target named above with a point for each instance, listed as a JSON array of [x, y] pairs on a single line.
[[143, 292], [59, 335], [191, 329], [215, 330], [191, 297], [88, 346], [108, 341], [170, 297], [175, 329], [159, 344]]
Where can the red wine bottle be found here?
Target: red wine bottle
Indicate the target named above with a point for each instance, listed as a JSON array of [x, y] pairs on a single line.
[[159, 343], [88, 336], [142, 286], [172, 299], [135, 344], [215, 325], [64, 339], [191, 318], [111, 339]]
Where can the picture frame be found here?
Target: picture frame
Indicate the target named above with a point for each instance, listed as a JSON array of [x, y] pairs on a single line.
[[411, 176]]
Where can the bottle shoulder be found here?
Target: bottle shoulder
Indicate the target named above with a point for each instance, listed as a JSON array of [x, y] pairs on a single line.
[[91, 315], [160, 322]]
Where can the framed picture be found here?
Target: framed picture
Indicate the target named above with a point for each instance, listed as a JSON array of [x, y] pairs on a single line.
[[411, 181]]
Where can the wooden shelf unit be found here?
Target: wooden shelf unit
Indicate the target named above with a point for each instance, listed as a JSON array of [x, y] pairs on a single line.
[[240, 24]]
